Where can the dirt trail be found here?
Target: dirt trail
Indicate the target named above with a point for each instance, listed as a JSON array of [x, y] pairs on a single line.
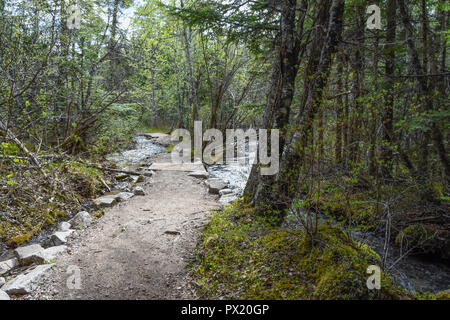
[[127, 254]]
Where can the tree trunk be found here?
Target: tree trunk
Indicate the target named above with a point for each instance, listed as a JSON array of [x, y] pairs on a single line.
[[388, 112], [281, 93], [274, 193], [424, 89], [187, 42]]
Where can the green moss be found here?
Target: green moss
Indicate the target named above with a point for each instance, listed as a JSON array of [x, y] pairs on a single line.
[[351, 207], [98, 214], [443, 295], [34, 205], [244, 257]]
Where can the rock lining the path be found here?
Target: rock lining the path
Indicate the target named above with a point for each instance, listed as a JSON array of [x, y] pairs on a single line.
[[139, 191], [8, 265], [106, 201], [30, 254], [82, 220], [215, 185], [4, 296], [64, 226], [225, 192], [25, 283], [125, 196], [60, 237], [228, 198]]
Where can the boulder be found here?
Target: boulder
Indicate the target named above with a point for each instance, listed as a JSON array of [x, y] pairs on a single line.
[[29, 254], [139, 191], [106, 201], [228, 198], [215, 185], [51, 253], [25, 283], [4, 296], [82, 220], [225, 192], [2, 281], [64, 226], [125, 196], [60, 237], [199, 174], [6, 266]]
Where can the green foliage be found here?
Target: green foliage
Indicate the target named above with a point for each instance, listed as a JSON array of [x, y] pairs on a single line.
[[117, 126]]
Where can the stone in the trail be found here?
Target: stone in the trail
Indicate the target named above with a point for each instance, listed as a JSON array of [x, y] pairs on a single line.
[[125, 196], [225, 192], [2, 281], [226, 199], [51, 253], [82, 220], [29, 254], [6, 266], [202, 174], [138, 191], [215, 185], [4, 296], [25, 283], [60, 237], [64, 226], [106, 201]]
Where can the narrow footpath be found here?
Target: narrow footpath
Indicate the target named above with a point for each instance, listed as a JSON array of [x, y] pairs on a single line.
[[139, 249]]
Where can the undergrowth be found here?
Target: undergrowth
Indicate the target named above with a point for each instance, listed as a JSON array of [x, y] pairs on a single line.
[[245, 257], [31, 203]]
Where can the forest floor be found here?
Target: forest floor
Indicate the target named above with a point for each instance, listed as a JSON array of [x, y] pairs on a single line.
[[139, 249]]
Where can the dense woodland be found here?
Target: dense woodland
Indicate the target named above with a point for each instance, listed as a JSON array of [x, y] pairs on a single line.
[[363, 114]]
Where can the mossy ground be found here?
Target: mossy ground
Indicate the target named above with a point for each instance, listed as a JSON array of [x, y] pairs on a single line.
[[31, 203], [244, 257]]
